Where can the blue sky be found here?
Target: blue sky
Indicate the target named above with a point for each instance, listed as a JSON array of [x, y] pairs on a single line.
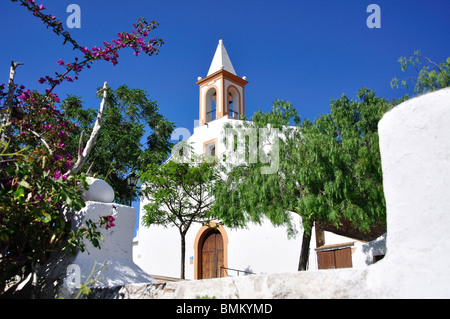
[[306, 52]]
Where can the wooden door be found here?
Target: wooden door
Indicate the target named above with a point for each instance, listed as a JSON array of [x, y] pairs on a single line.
[[331, 259], [212, 255]]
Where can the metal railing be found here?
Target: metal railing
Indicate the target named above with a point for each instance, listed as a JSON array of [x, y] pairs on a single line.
[[233, 114], [224, 270], [210, 116]]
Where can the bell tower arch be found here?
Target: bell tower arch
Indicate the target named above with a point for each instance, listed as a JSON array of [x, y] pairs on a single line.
[[221, 91]]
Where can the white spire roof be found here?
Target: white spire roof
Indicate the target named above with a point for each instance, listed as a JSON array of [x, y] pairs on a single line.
[[221, 60]]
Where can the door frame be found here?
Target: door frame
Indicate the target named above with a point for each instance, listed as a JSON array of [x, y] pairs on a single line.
[[198, 242]]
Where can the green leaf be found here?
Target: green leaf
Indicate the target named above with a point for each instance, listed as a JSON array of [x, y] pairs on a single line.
[[24, 184], [47, 217], [19, 193]]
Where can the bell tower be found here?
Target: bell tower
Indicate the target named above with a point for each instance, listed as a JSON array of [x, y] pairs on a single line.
[[221, 91]]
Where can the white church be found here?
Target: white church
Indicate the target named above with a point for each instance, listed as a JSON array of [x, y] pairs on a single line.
[[260, 248]]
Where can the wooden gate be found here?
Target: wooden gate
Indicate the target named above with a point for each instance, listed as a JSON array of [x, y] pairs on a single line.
[[212, 255], [338, 258]]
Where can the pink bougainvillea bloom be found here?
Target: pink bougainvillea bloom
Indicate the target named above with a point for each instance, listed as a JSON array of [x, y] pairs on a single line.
[[57, 175], [60, 62], [109, 221]]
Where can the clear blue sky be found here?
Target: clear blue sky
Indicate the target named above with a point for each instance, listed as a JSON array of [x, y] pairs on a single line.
[[307, 52]]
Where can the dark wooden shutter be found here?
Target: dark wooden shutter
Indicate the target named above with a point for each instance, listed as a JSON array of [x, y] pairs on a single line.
[[343, 258], [338, 258], [325, 259]]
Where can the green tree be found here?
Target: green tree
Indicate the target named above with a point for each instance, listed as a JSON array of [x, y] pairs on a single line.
[[431, 76], [179, 194], [129, 115], [329, 171]]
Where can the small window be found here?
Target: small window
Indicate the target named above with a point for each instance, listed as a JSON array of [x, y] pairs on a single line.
[[210, 151]]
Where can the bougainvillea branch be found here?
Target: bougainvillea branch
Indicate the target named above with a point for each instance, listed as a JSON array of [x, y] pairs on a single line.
[[109, 51]]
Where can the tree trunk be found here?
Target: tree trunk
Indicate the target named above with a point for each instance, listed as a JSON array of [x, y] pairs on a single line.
[[5, 131], [84, 154], [304, 252], [183, 254]]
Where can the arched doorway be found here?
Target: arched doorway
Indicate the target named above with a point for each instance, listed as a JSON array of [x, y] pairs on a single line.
[[210, 250]]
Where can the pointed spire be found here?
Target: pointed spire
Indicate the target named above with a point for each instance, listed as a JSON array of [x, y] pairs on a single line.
[[221, 60]]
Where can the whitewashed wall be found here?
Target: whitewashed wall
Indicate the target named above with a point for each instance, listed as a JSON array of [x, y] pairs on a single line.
[[415, 153]]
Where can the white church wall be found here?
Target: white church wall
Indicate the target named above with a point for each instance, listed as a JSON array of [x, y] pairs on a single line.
[[158, 250], [264, 249]]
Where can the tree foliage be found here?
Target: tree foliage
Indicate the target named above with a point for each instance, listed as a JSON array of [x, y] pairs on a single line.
[[128, 117], [329, 170], [431, 76], [179, 194]]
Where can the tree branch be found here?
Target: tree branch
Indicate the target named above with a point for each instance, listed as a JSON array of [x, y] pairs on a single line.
[[6, 112], [83, 156], [42, 140]]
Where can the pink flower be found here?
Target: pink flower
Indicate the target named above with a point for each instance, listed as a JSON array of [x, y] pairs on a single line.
[[25, 95], [41, 80], [60, 62], [57, 175], [108, 221]]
